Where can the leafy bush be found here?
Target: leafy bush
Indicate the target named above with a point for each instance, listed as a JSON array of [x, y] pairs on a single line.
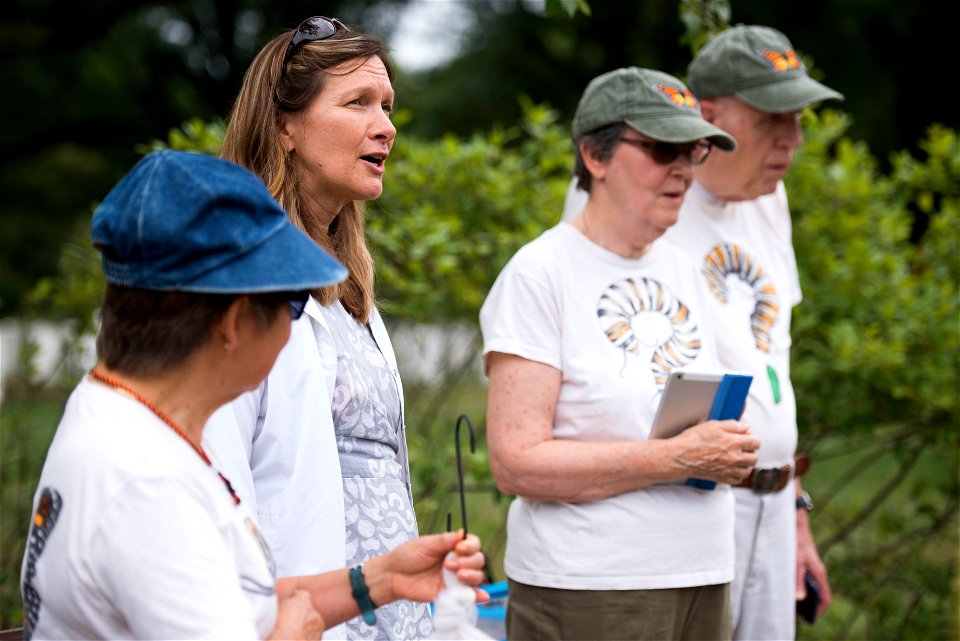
[[875, 364], [454, 211], [875, 359]]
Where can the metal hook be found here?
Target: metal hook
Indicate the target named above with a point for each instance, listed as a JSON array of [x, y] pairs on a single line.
[[473, 448]]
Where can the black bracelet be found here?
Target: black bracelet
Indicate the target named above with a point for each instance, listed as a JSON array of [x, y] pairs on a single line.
[[361, 594]]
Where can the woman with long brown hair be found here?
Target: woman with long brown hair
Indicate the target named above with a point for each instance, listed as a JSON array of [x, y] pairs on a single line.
[[320, 448]]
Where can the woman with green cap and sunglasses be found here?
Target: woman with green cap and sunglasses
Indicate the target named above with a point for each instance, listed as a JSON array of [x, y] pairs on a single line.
[[581, 331], [136, 533]]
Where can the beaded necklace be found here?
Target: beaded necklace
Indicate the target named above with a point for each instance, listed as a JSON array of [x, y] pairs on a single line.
[[111, 381]]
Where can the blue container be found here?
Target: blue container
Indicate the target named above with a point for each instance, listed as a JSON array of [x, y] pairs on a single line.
[[492, 615]]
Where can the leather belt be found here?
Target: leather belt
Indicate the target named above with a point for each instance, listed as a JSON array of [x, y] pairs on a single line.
[[774, 479]]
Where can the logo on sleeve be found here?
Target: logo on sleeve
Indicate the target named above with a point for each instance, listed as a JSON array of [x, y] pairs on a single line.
[[250, 583], [44, 520]]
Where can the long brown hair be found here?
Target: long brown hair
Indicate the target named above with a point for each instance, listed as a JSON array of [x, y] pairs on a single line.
[[252, 141]]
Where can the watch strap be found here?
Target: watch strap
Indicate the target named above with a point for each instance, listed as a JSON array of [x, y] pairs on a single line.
[[361, 594]]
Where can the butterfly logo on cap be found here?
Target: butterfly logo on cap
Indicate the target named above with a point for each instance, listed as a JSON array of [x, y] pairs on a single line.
[[785, 61], [680, 97]]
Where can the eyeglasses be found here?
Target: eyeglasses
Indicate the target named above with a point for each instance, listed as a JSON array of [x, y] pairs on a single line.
[[296, 301], [311, 30], [664, 153]]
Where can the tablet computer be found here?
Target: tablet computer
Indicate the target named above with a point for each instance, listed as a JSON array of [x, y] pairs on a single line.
[[686, 401]]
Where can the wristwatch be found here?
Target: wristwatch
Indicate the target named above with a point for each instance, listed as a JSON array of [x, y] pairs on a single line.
[[804, 501]]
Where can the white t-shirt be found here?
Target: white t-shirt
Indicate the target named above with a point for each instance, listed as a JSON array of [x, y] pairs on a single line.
[[134, 536], [745, 254], [615, 328]]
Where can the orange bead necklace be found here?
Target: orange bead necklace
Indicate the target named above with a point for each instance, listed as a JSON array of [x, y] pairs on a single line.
[[113, 382]]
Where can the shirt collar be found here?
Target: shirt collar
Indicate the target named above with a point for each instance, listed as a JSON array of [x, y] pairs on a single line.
[[704, 193]]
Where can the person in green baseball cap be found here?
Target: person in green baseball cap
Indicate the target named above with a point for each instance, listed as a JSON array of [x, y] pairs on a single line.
[[735, 223], [581, 331]]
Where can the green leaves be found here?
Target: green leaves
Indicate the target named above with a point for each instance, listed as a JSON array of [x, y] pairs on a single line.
[[876, 350], [876, 340], [194, 135], [455, 210], [568, 8], [702, 19], [869, 307]]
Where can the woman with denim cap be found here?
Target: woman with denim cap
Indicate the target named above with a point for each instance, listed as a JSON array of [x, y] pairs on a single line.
[[135, 533], [581, 331], [320, 448]]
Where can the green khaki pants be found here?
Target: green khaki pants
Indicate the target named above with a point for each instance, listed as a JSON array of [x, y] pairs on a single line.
[[680, 614]]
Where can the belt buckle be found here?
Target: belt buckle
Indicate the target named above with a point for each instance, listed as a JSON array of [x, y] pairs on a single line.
[[766, 481]]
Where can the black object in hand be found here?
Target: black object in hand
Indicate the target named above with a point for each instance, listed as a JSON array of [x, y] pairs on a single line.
[[807, 609]]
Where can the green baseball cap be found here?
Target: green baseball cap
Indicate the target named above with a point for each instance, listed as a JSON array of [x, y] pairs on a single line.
[[758, 66], [654, 103]]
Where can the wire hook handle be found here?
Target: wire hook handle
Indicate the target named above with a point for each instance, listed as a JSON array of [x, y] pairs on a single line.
[[473, 448]]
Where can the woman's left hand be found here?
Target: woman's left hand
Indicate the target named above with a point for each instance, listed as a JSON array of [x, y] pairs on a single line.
[[413, 570]]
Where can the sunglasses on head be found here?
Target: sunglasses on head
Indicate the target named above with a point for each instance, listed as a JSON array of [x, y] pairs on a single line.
[[664, 153], [311, 30]]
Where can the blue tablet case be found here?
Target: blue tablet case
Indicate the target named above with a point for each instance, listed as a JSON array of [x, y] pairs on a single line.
[[727, 405]]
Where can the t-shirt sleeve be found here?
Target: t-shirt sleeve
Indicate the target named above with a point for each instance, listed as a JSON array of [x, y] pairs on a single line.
[[521, 315], [166, 567]]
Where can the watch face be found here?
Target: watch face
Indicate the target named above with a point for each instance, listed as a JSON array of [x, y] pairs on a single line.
[[804, 502]]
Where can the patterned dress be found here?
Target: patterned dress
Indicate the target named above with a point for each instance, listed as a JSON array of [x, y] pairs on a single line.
[[378, 503]]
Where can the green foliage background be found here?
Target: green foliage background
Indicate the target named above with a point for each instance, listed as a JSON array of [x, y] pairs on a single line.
[[875, 361], [84, 83], [875, 366], [876, 346]]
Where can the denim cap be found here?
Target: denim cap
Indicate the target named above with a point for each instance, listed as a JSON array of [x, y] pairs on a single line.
[[195, 223], [654, 103], [758, 66]]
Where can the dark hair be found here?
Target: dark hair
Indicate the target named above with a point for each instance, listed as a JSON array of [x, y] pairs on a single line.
[[601, 143], [145, 332]]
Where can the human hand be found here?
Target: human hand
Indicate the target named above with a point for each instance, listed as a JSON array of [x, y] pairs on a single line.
[[721, 451], [296, 616], [808, 560], [414, 570]]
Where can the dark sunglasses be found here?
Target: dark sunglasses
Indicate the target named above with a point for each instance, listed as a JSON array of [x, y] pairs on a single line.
[[296, 301], [311, 30], [664, 153]]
